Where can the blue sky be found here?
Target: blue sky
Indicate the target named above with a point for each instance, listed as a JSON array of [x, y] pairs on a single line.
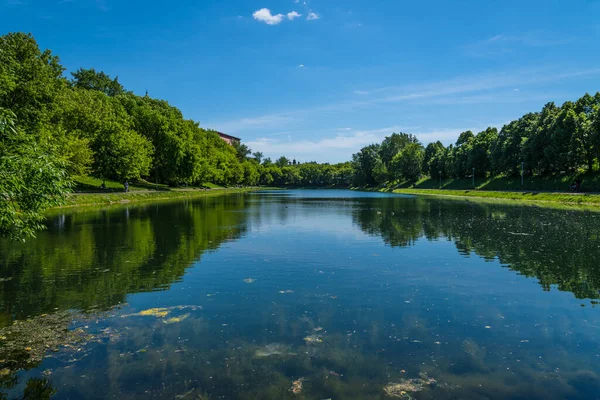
[[319, 79]]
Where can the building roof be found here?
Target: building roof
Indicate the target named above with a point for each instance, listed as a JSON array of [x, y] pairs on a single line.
[[224, 135]]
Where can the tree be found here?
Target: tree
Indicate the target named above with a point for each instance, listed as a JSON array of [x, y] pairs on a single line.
[[363, 164], [508, 150], [393, 144], [258, 156], [433, 159], [32, 179], [122, 154], [78, 117], [585, 141], [407, 164], [537, 148], [282, 162], [91, 80], [251, 172], [242, 150], [380, 171], [481, 151], [594, 137], [462, 154], [30, 80]]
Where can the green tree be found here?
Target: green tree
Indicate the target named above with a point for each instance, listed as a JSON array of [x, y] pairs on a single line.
[[363, 164], [380, 172], [480, 157], [258, 156], [594, 137], [30, 80], [282, 162], [32, 179], [122, 154], [242, 150], [252, 172], [407, 164], [462, 154], [393, 144], [508, 150], [433, 159], [537, 148], [91, 80]]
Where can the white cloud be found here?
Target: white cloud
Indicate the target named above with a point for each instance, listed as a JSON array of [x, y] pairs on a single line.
[[248, 123], [341, 146], [337, 148], [292, 15], [264, 15], [470, 84], [312, 16], [301, 66], [499, 45]]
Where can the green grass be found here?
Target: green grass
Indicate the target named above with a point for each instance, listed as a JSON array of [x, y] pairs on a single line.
[[90, 184], [546, 197], [102, 199], [209, 185], [551, 183]]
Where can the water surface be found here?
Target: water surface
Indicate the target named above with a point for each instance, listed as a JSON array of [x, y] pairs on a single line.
[[334, 294]]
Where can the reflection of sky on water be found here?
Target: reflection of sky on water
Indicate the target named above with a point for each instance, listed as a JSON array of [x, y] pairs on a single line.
[[384, 314]]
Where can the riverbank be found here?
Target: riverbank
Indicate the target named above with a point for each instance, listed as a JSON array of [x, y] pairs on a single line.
[[558, 183], [584, 199], [110, 198]]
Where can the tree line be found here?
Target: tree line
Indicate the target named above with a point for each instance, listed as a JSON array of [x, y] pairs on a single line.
[[557, 139], [54, 128]]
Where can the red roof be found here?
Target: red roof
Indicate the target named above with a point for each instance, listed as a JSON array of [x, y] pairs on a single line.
[[224, 135]]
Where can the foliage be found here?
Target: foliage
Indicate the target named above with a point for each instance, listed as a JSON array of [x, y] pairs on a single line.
[[32, 179], [282, 162], [408, 162], [30, 80], [364, 163], [122, 154], [558, 140], [91, 80]]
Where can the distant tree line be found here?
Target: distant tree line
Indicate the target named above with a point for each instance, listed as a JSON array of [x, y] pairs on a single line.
[[558, 139]]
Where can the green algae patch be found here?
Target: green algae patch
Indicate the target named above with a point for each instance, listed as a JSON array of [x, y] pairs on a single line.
[[26, 342]]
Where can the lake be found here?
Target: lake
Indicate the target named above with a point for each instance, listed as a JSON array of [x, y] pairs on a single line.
[[304, 294]]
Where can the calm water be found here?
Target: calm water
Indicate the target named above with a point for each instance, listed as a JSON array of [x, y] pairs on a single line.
[[335, 294]]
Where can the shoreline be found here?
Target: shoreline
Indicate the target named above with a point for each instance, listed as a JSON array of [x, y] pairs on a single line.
[[573, 200], [81, 200], [525, 197]]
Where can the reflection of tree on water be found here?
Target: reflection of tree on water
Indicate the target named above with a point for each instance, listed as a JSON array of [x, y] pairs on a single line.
[[558, 247], [92, 260]]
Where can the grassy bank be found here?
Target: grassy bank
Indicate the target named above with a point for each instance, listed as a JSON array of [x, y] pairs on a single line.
[[90, 184], [545, 197], [100, 199], [550, 183]]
